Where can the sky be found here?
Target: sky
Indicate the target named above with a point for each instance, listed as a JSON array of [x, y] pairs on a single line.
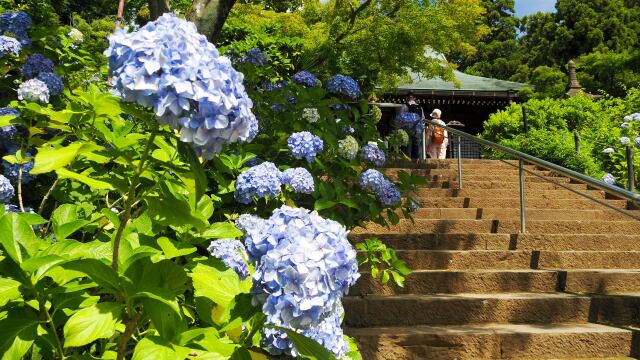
[[526, 7]]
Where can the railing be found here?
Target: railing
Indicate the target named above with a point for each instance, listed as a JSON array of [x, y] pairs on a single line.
[[522, 158]]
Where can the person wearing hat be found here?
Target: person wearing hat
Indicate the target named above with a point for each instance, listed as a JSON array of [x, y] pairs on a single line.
[[437, 138]]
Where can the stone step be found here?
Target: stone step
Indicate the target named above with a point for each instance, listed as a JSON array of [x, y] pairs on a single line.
[[453, 163], [493, 341], [514, 214], [600, 281], [488, 184], [588, 260], [463, 309], [507, 193], [425, 226], [453, 178], [479, 171], [465, 259], [461, 281], [621, 309], [467, 241], [487, 202]]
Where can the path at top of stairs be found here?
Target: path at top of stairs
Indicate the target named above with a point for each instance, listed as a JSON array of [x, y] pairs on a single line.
[[569, 288]]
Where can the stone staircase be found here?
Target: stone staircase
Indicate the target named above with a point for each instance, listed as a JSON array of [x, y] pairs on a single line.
[[567, 289]]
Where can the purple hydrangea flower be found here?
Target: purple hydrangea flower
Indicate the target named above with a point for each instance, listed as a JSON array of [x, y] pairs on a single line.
[[343, 85], [36, 64], [9, 45], [8, 132], [232, 253], [388, 194], [34, 90], [261, 180], [170, 67], [410, 122], [300, 179], [624, 140], [348, 129], [255, 56], [372, 180], [305, 145], [6, 190], [17, 23], [305, 78], [373, 154], [53, 81]]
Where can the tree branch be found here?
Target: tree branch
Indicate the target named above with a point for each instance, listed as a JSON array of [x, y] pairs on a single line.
[[352, 20], [210, 15], [159, 7]]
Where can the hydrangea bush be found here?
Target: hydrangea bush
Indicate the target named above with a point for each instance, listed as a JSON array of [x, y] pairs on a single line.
[[172, 211]]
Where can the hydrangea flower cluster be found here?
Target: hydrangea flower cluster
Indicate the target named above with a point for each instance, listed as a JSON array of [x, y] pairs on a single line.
[[372, 180], [255, 56], [400, 137], [9, 45], [261, 180], [11, 171], [8, 132], [348, 147], [53, 82], [305, 264], [34, 90], [268, 87], [632, 117], [411, 122], [311, 115], [169, 66], [232, 253], [609, 179], [373, 154], [624, 125], [305, 78], [300, 179], [608, 150], [624, 140], [6, 190], [637, 142], [343, 85], [76, 36], [377, 114], [305, 145], [348, 130], [18, 24], [36, 64]]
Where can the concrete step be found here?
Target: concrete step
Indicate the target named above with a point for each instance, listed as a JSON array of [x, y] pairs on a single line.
[[600, 281], [453, 163], [493, 341], [463, 309], [514, 214], [467, 241], [588, 260], [514, 202], [453, 178], [464, 260], [425, 226], [507, 193], [478, 171], [461, 281], [488, 184]]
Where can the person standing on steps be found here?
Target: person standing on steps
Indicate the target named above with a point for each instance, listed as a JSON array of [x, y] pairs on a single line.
[[437, 137], [415, 149]]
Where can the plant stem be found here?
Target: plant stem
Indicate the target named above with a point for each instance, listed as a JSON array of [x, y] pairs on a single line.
[[46, 196], [52, 328], [131, 199], [124, 339], [20, 188]]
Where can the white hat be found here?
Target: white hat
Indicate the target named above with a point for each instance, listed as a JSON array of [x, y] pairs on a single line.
[[436, 113]]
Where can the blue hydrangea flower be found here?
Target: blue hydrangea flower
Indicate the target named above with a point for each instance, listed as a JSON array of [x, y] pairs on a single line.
[[311, 115], [34, 90], [388, 194], [348, 147], [624, 125], [232, 253], [305, 78], [6, 190], [255, 56], [17, 23], [624, 140], [343, 85], [608, 150], [11, 171], [373, 154], [635, 116], [8, 132], [10, 208], [278, 107], [9, 45], [339, 106], [609, 179], [372, 180], [36, 64], [261, 180], [411, 122], [170, 67], [268, 87], [53, 81], [637, 142], [300, 179], [305, 145], [348, 129], [305, 264]]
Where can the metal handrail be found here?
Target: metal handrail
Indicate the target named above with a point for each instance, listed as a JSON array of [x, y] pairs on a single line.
[[523, 157]]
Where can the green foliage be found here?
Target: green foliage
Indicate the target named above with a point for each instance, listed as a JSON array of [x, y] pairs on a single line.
[[610, 72], [382, 261]]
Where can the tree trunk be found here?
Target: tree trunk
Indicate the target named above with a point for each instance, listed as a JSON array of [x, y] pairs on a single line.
[[210, 15], [158, 7]]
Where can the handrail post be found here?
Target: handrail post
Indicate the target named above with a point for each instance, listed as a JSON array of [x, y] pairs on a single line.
[[630, 171], [459, 162], [522, 207]]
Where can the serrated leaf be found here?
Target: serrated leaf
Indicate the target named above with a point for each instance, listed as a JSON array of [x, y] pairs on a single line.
[[91, 323]]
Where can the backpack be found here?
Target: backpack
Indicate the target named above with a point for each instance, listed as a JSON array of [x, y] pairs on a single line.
[[437, 135]]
